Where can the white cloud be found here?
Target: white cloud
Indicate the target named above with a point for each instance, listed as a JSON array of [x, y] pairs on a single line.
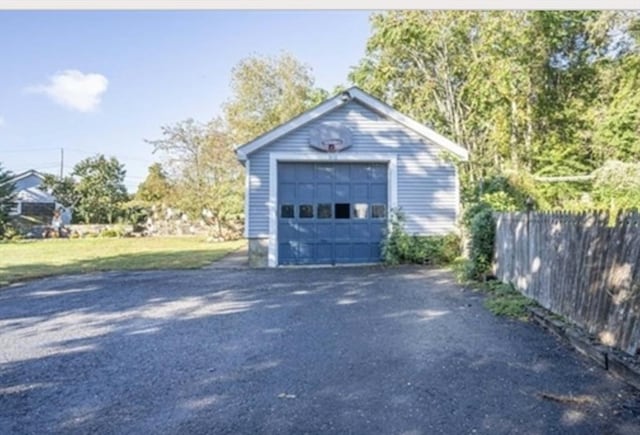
[[74, 90], [2, 122]]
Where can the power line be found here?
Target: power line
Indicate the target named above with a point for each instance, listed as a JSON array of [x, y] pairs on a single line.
[[28, 150]]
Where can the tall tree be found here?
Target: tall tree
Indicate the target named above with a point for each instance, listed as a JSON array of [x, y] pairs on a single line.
[[7, 189], [206, 175], [63, 189], [156, 187], [200, 158], [514, 87], [268, 91], [100, 188], [617, 122]]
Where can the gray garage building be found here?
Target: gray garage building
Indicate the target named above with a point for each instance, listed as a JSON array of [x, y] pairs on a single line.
[[320, 188]]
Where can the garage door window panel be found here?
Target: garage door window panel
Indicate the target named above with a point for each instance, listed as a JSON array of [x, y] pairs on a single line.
[[325, 211], [360, 210], [306, 211], [378, 211], [343, 210], [287, 211]]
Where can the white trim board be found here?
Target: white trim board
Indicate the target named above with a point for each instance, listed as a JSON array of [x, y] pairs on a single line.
[[247, 197], [274, 158], [359, 95]]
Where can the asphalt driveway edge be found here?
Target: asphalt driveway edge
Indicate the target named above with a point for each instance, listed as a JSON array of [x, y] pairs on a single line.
[[612, 360]]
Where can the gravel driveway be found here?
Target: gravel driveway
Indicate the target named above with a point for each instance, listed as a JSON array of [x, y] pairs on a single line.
[[335, 350]]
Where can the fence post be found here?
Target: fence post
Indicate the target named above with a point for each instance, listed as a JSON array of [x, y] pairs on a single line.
[[529, 206]]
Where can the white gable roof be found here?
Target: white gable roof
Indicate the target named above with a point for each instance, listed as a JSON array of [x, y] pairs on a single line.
[[26, 174], [362, 97], [33, 194]]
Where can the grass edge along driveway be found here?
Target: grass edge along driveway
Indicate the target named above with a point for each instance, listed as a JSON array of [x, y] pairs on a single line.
[[30, 259]]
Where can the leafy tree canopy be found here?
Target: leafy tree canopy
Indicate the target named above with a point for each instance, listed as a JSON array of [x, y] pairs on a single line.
[[156, 187], [538, 92], [100, 188], [268, 91], [7, 189], [64, 190]]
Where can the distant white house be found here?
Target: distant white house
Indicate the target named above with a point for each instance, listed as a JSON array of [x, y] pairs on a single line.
[[32, 200]]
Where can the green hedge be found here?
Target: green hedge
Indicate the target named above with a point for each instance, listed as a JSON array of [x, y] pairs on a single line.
[[399, 247]]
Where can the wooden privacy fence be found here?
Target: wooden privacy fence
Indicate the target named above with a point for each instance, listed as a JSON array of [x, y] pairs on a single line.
[[578, 266]]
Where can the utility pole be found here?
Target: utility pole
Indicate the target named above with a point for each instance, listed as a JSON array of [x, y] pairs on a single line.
[[61, 162]]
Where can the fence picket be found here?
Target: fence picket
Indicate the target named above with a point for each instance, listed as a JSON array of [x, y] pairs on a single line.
[[577, 265]]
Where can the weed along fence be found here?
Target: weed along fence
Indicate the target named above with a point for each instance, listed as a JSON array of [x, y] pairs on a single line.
[[578, 266]]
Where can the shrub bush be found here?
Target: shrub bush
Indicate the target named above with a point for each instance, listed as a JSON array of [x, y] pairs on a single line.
[[10, 232], [500, 193], [399, 247], [482, 236], [112, 232]]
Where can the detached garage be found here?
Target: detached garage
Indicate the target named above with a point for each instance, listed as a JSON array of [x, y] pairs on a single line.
[[320, 188]]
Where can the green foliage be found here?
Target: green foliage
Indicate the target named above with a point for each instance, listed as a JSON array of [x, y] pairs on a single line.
[[207, 180], [501, 193], [538, 92], [135, 214], [112, 232], [510, 191], [481, 243], [6, 199], [11, 233], [156, 188], [399, 247], [268, 91], [100, 189], [617, 134], [617, 186], [505, 300], [64, 190]]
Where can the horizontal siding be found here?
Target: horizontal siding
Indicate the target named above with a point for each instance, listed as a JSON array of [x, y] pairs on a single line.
[[27, 183], [429, 199], [426, 185]]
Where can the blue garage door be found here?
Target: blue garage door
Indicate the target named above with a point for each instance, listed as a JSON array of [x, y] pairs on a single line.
[[331, 213]]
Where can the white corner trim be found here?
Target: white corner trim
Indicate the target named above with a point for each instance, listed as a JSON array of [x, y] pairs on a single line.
[[272, 259], [274, 158], [240, 155], [247, 197], [392, 183]]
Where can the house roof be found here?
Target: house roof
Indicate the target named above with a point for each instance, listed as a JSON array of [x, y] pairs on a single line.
[[341, 99], [33, 194], [25, 174]]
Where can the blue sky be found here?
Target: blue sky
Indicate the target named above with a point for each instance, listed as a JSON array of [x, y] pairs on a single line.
[[102, 82]]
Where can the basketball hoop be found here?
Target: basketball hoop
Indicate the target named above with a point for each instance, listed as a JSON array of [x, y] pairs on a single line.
[[332, 145], [330, 137]]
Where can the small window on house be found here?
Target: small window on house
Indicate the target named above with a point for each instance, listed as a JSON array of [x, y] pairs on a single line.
[[286, 211], [343, 211], [324, 211], [305, 211], [378, 211], [360, 211]]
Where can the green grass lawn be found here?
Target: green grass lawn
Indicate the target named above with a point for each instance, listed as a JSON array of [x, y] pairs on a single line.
[[38, 258]]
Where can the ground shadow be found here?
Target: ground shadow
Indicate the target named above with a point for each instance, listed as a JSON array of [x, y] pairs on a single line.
[[359, 350]]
